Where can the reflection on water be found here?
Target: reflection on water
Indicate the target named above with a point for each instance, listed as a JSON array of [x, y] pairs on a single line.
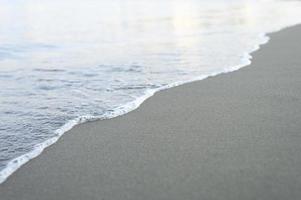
[[61, 59], [117, 32]]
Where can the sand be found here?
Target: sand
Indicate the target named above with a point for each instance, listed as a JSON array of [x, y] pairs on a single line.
[[236, 136]]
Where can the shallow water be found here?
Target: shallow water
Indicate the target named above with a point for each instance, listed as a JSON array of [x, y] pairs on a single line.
[[63, 62]]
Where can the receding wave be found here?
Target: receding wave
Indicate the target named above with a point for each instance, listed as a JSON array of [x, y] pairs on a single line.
[[58, 69]]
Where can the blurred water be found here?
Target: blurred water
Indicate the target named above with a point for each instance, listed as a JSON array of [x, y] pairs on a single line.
[[66, 61]]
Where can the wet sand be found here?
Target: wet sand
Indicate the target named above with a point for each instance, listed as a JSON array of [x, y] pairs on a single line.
[[233, 136]]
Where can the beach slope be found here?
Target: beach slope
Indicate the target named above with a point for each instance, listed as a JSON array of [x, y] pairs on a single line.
[[233, 136]]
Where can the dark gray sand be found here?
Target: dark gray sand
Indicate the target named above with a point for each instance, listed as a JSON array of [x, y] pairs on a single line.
[[235, 136]]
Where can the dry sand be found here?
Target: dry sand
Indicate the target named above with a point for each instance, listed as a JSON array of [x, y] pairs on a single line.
[[236, 136]]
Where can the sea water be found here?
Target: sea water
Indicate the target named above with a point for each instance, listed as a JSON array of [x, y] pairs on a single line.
[[64, 62]]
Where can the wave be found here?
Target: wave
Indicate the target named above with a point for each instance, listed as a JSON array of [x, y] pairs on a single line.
[[110, 67], [16, 163]]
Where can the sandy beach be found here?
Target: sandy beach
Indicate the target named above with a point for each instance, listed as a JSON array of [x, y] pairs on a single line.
[[233, 136]]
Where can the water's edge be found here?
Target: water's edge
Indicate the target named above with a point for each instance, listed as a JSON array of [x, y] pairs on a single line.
[[16, 163]]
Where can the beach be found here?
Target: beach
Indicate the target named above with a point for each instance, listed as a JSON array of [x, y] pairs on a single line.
[[232, 136]]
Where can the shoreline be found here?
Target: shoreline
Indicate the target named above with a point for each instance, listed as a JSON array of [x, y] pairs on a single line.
[[18, 162], [40, 171]]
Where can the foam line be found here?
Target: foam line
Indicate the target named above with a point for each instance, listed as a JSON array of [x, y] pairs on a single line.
[[16, 163]]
